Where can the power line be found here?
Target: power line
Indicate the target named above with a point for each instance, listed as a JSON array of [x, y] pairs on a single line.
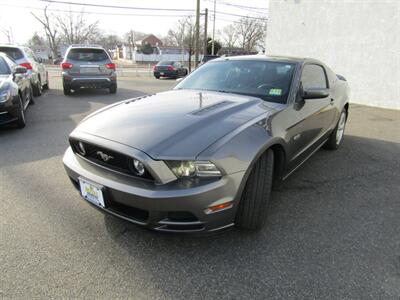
[[97, 13], [236, 15], [139, 8], [115, 6], [239, 6]]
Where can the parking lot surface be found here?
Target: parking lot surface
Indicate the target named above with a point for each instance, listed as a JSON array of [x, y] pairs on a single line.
[[333, 230]]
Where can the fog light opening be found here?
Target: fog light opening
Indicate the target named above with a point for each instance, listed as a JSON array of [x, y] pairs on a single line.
[[219, 207], [81, 148]]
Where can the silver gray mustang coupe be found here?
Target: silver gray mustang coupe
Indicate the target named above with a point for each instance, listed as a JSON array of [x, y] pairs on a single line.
[[205, 155]]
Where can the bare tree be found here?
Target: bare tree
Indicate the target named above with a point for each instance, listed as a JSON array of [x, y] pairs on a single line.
[[183, 35], [37, 43], [229, 36], [76, 29], [250, 33], [50, 30], [8, 33], [108, 41], [130, 38]]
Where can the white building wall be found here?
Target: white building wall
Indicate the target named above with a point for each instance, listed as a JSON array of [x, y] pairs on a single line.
[[359, 39]]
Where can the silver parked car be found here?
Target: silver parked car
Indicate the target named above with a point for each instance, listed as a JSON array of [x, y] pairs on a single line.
[[88, 66], [37, 71], [205, 155]]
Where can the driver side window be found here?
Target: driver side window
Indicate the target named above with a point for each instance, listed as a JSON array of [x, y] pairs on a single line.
[[313, 76]]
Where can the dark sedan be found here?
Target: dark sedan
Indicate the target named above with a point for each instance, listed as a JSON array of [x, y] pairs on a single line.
[[205, 155], [170, 69], [15, 92]]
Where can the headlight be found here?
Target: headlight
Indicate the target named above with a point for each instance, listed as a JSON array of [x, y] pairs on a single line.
[[5, 95], [189, 168]]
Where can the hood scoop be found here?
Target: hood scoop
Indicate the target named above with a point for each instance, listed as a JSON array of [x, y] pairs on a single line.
[[206, 109]]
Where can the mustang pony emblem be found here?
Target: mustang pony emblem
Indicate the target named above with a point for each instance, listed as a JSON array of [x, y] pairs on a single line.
[[104, 156]]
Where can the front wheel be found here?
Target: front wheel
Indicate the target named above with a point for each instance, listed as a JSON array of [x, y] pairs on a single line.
[[253, 205], [21, 121], [336, 137]]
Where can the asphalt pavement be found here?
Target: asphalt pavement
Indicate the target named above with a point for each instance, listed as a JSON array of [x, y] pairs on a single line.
[[333, 230]]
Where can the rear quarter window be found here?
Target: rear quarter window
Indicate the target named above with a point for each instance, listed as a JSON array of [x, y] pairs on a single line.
[[15, 53], [87, 55]]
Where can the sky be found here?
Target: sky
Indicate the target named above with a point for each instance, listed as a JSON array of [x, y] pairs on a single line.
[[15, 15]]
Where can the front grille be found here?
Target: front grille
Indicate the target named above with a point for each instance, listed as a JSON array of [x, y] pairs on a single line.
[[117, 161], [129, 212], [6, 118]]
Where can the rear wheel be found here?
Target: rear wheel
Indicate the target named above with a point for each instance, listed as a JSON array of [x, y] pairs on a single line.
[[31, 100], [67, 89], [336, 137], [46, 86], [113, 89], [37, 89], [21, 122], [253, 206]]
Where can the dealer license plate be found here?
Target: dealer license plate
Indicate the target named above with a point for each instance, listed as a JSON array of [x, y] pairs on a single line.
[[91, 192]]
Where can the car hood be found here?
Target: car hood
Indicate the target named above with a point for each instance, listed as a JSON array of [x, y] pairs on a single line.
[[175, 124]]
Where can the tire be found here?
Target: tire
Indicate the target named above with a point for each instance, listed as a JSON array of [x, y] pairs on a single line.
[[157, 77], [113, 89], [37, 89], [336, 137], [46, 86], [253, 205], [21, 121], [67, 90], [31, 100]]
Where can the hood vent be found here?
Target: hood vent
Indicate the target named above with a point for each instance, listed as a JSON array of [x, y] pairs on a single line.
[[209, 108]]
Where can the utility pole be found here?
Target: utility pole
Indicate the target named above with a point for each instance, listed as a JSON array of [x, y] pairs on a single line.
[[183, 43], [213, 36], [196, 56], [205, 32]]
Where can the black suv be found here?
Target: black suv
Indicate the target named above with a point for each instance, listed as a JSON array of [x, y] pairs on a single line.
[[88, 67]]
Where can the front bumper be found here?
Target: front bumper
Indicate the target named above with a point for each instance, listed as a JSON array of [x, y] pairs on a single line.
[[9, 111], [177, 206]]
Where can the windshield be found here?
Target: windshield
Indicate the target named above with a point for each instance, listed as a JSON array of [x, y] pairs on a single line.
[[87, 54], [267, 80], [4, 69], [15, 53], [165, 63]]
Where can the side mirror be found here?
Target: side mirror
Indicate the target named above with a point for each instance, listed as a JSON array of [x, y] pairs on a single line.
[[20, 70], [316, 93]]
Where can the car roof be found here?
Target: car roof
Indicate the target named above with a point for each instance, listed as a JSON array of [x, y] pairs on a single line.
[[12, 46], [268, 58]]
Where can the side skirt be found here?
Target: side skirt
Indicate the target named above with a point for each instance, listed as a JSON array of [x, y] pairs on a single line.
[[304, 160]]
